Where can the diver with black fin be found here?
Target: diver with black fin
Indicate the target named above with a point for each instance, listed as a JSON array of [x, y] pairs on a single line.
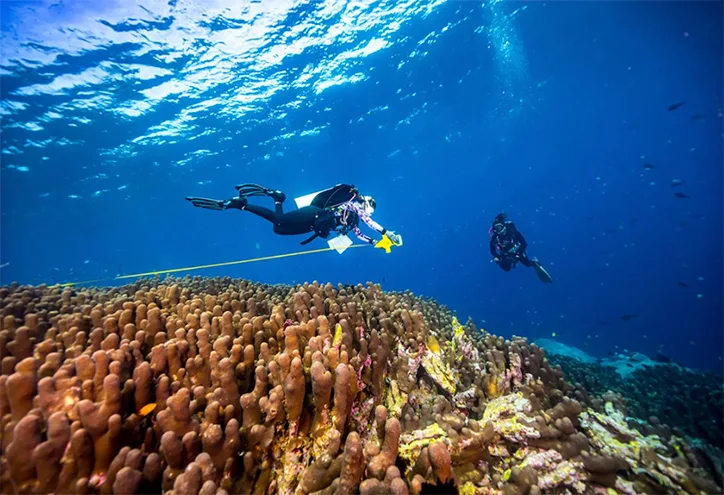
[[244, 190], [508, 246], [337, 209]]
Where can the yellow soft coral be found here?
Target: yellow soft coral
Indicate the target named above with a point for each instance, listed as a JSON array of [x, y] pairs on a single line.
[[290, 453], [508, 415], [468, 489], [611, 434], [458, 329], [441, 373], [395, 399], [322, 437], [412, 443]]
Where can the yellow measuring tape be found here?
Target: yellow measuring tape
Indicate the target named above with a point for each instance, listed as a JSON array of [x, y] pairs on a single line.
[[213, 265]]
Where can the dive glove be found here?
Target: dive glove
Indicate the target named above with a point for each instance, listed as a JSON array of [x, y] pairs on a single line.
[[394, 237]]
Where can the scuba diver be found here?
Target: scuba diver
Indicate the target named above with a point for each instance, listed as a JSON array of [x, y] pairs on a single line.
[[507, 245], [337, 209]]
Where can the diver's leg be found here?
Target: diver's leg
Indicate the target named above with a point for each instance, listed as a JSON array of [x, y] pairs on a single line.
[[296, 222], [246, 190], [265, 213], [291, 223], [505, 264], [278, 197], [523, 258]]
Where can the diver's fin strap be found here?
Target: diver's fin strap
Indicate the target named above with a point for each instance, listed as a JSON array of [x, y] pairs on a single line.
[[310, 239], [209, 204], [252, 190]]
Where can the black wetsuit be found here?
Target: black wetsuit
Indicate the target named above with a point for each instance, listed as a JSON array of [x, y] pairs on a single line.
[[321, 221], [321, 217], [501, 246]]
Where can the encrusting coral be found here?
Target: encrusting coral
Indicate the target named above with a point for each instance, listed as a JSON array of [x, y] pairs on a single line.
[[659, 392], [221, 386]]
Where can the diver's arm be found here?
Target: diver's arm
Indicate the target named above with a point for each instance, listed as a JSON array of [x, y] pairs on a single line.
[[361, 236], [493, 251], [395, 238], [523, 244], [369, 222]]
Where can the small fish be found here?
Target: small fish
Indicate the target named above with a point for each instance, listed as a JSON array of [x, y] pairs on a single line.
[[603, 323], [648, 166], [628, 317], [698, 117], [676, 105], [147, 409], [433, 345], [677, 182], [681, 195], [682, 284], [337, 336], [4, 265], [629, 365]]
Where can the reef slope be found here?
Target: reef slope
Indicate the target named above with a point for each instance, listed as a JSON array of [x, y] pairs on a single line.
[[218, 385]]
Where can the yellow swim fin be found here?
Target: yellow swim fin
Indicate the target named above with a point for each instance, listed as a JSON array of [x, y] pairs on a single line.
[[386, 243]]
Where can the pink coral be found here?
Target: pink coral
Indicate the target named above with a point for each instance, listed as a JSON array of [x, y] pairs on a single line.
[[544, 459]]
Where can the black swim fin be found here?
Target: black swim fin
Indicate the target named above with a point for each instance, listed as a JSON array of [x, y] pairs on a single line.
[[209, 204], [543, 275], [252, 190]]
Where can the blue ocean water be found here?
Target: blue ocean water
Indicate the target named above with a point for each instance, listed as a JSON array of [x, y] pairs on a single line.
[[560, 113]]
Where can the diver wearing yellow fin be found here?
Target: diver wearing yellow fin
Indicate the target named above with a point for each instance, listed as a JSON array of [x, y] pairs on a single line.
[[337, 209]]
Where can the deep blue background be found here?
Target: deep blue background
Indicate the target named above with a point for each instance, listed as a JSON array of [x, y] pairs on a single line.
[[549, 114]]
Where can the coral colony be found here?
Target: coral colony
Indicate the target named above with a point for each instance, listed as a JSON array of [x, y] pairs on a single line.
[[221, 386]]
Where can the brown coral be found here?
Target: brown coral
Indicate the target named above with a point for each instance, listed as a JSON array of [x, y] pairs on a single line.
[[224, 386]]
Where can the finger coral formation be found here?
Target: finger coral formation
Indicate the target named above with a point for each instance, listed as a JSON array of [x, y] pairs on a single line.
[[221, 386]]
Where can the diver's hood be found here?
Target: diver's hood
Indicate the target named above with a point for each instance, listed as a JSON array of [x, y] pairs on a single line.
[[369, 205]]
